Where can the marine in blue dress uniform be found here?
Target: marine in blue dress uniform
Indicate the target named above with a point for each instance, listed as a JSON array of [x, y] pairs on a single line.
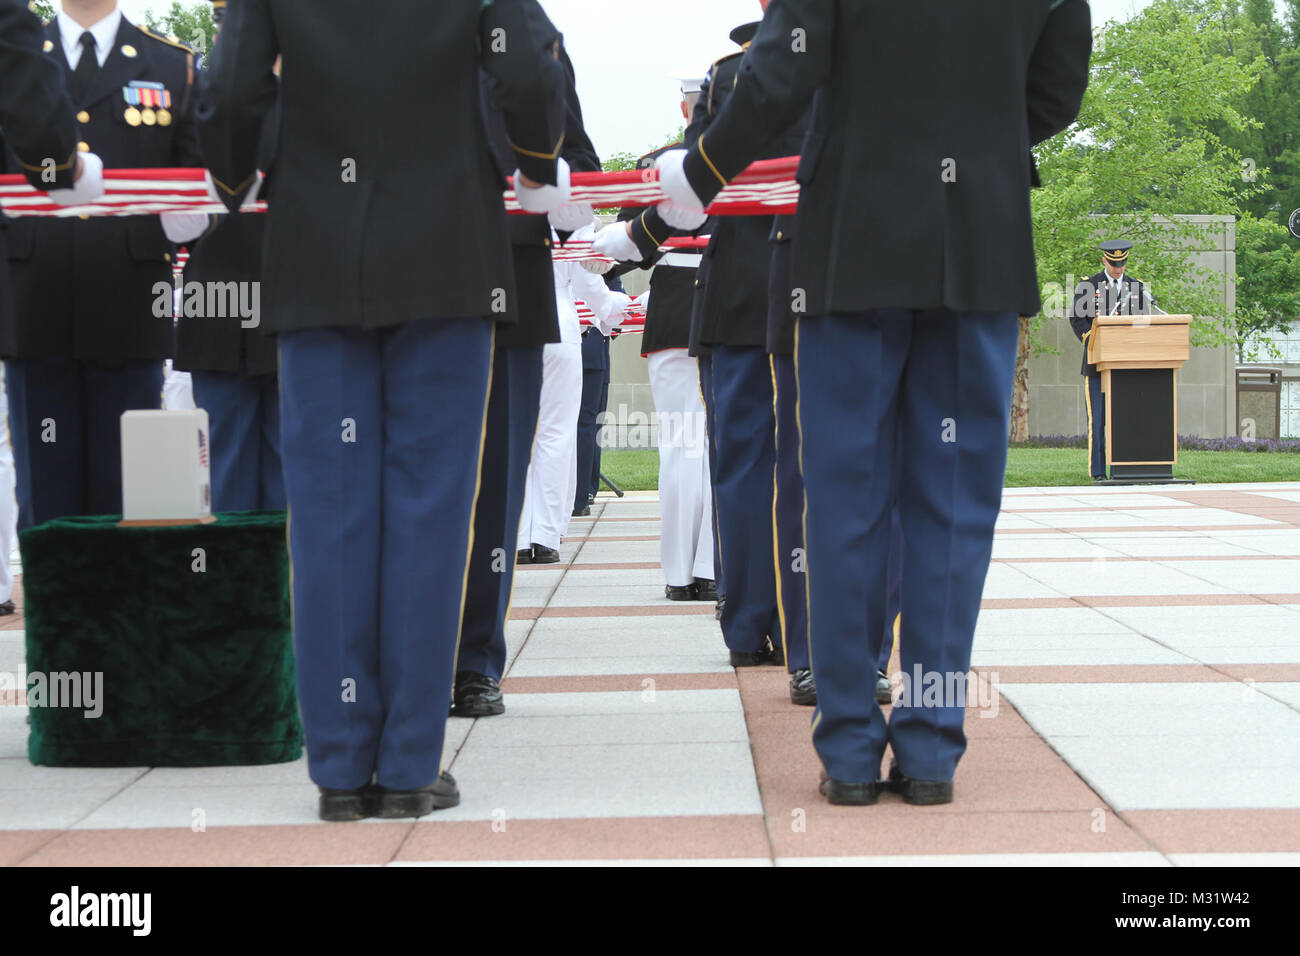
[[1110, 292], [914, 245], [511, 422], [385, 319], [86, 341]]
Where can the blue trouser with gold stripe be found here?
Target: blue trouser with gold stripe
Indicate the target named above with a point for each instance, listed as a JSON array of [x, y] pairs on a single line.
[[511, 424], [1096, 427], [65, 425], [382, 432], [788, 529], [244, 422], [929, 392], [742, 484]]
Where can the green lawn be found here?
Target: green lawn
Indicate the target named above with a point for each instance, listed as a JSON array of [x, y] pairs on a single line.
[[639, 470]]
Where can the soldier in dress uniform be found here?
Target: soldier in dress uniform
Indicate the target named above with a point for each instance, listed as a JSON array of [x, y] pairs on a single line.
[[914, 247], [730, 322], [385, 321], [792, 595], [87, 340], [231, 359], [685, 490], [512, 413], [36, 118], [1110, 292]]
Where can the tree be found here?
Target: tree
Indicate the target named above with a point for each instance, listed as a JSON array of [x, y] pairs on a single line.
[[1144, 149], [191, 24]]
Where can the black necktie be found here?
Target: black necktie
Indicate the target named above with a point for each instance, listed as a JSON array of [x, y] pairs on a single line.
[[87, 66]]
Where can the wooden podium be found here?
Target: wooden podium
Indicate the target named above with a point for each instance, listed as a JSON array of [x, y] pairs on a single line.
[[1138, 357]]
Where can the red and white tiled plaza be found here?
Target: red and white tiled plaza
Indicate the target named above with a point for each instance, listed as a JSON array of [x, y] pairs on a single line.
[[1144, 643]]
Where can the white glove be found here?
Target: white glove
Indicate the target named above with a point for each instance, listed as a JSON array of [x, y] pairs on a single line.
[[673, 181], [89, 187], [613, 241], [182, 227], [643, 299], [544, 199], [572, 216], [597, 266], [680, 217], [617, 315]]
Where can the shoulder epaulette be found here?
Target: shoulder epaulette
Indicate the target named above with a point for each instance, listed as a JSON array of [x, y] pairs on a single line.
[[169, 40]]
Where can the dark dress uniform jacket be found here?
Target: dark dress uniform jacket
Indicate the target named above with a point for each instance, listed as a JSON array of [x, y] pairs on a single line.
[[531, 318], [781, 316], [388, 204], [35, 117], [231, 252], [672, 288], [917, 169], [85, 289], [731, 302], [1094, 296]]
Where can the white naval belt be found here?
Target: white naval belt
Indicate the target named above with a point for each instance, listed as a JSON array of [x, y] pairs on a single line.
[[682, 260]]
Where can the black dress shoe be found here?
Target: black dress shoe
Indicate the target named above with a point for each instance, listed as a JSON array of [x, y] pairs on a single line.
[[476, 695], [544, 555], [921, 793], [439, 795], [850, 794], [524, 556], [884, 689], [717, 608], [706, 590], [7, 607], [764, 655], [778, 653], [802, 689], [582, 512], [342, 806], [685, 592]]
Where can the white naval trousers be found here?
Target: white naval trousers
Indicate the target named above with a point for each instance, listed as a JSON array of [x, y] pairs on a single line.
[[178, 389], [685, 499], [553, 471], [8, 503]]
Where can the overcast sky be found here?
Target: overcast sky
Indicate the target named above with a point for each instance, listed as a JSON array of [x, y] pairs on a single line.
[[626, 53]]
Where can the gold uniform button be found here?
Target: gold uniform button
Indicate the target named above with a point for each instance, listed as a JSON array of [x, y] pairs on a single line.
[[167, 257], [83, 146], [83, 117], [780, 236], [83, 216], [128, 50], [47, 46]]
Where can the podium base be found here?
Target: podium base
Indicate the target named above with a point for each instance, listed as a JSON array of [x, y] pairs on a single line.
[[1145, 481], [1143, 475]]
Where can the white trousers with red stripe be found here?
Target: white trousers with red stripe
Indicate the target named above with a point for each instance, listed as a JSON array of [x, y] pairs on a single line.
[[685, 498], [553, 471]]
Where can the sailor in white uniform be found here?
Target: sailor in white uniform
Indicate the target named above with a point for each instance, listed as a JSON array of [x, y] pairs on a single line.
[[553, 471]]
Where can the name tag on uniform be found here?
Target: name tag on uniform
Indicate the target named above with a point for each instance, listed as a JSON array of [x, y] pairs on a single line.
[[148, 103]]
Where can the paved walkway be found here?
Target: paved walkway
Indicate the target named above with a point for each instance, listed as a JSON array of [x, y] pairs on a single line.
[[1144, 642]]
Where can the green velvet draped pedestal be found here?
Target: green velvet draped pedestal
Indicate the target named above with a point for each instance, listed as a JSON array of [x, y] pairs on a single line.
[[188, 625]]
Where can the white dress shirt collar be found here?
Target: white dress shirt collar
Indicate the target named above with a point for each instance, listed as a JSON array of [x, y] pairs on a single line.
[[104, 32]]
